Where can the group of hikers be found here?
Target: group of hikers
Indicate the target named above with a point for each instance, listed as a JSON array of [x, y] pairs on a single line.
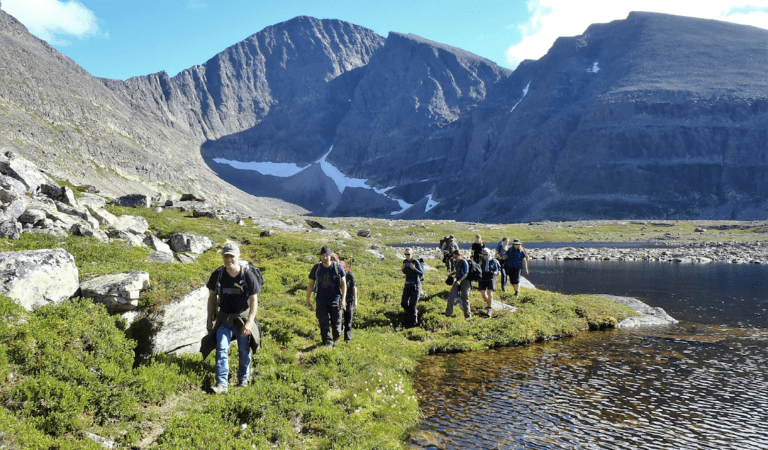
[[234, 288]]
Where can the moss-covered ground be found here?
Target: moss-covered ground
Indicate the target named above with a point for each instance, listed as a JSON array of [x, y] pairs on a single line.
[[69, 370]]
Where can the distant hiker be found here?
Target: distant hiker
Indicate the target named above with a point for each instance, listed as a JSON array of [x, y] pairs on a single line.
[[501, 257], [477, 248], [448, 245], [487, 283], [412, 289], [327, 279], [232, 301], [460, 288], [349, 311], [517, 258]]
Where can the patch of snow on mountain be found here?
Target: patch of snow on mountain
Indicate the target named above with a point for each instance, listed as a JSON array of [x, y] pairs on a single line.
[[595, 68], [342, 181], [430, 203], [525, 92], [403, 204]]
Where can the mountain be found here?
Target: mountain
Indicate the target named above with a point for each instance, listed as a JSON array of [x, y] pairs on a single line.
[[654, 116]]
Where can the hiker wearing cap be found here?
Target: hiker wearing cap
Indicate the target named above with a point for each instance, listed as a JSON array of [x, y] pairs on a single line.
[[412, 289], [501, 257], [232, 301], [517, 258], [477, 248], [327, 279], [487, 282], [460, 288]]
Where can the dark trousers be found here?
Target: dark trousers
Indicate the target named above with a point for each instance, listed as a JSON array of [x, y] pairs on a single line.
[[348, 314], [329, 316], [409, 303], [504, 279]]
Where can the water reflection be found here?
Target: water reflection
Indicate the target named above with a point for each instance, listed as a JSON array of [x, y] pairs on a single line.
[[698, 385]]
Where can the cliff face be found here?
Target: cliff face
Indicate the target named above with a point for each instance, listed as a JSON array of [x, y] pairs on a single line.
[[654, 116]]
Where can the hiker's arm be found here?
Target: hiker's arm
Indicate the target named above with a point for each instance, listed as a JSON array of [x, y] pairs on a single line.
[[310, 287], [212, 304], [253, 301], [525, 262], [343, 282], [354, 296]]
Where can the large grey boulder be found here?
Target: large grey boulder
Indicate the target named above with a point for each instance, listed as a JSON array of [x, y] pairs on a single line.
[[35, 278], [13, 210], [118, 291], [178, 327], [132, 224], [157, 244], [25, 171], [186, 242], [648, 315], [10, 229], [10, 187], [132, 200]]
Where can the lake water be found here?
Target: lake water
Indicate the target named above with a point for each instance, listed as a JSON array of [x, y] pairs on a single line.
[[700, 384]]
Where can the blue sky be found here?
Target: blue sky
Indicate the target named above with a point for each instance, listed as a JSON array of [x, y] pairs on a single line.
[[121, 39]]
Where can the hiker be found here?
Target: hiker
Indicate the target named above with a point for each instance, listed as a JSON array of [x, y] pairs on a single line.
[[448, 245], [412, 289], [501, 257], [328, 279], [477, 248], [487, 283], [351, 298], [517, 258], [460, 288], [233, 301]]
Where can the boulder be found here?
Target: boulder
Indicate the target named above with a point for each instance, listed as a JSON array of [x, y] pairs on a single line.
[[155, 243], [35, 278], [92, 201], [28, 173], [315, 224], [192, 198], [132, 201], [105, 218], [81, 229], [10, 229], [32, 215], [133, 239], [649, 315], [178, 327], [10, 186], [118, 291], [13, 210], [209, 213], [132, 224], [364, 233], [186, 242]]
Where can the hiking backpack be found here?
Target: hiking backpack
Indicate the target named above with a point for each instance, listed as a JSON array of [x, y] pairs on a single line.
[[475, 272], [248, 267]]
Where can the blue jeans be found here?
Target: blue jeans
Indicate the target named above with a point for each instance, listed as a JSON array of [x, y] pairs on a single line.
[[224, 336]]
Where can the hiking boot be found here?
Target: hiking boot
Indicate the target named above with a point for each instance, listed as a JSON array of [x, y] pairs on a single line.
[[489, 311], [243, 383], [220, 389], [329, 344], [517, 295]]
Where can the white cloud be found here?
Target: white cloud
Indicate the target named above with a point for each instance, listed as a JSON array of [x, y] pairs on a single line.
[[550, 19], [54, 21]]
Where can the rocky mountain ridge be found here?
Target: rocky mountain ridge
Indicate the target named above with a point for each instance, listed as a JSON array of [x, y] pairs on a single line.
[[654, 116]]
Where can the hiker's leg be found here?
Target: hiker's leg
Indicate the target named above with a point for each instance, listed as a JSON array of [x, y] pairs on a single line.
[[244, 354], [223, 340]]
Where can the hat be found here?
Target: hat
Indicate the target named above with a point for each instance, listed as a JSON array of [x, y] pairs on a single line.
[[230, 249], [457, 253], [325, 250], [516, 242]]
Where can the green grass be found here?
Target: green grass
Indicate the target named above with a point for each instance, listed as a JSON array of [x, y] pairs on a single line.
[[70, 369]]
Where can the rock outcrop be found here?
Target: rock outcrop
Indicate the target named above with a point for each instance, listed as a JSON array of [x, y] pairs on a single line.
[[36, 278]]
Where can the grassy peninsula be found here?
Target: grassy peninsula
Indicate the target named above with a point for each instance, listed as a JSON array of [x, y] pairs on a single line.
[[70, 377]]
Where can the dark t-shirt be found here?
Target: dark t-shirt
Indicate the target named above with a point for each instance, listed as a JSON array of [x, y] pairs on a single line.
[[477, 251], [350, 277], [234, 291], [327, 280]]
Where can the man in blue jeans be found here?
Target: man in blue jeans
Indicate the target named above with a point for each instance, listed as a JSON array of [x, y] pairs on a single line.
[[232, 301]]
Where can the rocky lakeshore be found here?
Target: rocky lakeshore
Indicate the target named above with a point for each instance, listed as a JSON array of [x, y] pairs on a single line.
[[698, 252]]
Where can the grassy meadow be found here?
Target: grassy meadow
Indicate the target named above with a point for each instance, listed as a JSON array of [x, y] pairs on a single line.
[[69, 371]]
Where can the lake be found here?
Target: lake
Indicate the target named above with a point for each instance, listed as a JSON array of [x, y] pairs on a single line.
[[700, 384]]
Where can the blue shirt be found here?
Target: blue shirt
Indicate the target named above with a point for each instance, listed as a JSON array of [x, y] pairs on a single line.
[[515, 258], [412, 275], [461, 269]]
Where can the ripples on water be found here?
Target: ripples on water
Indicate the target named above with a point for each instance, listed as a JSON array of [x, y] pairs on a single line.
[[652, 389], [690, 386]]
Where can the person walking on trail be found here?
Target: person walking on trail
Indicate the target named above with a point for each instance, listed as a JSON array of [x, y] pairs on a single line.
[[328, 279], [232, 301], [460, 288], [501, 257], [517, 259], [412, 289], [351, 298], [448, 245], [487, 282], [477, 248]]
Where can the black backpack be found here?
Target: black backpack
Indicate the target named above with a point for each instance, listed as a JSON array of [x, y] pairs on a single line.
[[475, 272], [421, 261]]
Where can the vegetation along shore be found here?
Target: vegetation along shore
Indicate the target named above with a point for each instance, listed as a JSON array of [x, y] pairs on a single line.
[[71, 378]]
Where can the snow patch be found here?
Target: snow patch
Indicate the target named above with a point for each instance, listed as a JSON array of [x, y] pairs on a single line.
[[430, 203], [403, 204], [282, 170], [594, 67], [342, 181], [525, 92]]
